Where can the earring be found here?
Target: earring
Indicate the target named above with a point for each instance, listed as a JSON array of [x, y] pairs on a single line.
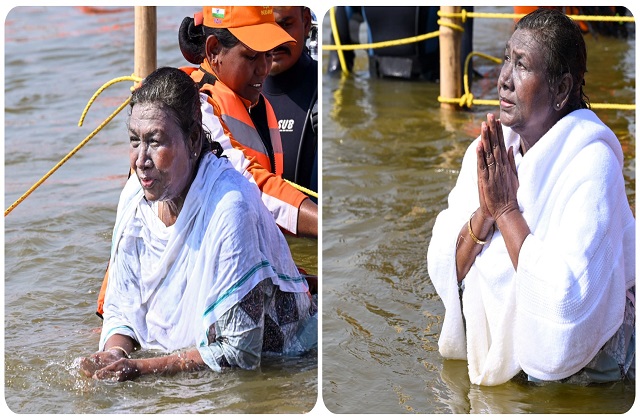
[[557, 106]]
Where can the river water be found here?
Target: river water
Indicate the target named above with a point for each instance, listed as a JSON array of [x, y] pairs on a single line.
[[390, 158], [56, 242]]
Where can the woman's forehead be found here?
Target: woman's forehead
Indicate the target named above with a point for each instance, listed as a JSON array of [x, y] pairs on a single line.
[[151, 114], [150, 110], [525, 40]]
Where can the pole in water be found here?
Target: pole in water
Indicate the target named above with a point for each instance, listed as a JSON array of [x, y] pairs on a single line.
[[145, 40]]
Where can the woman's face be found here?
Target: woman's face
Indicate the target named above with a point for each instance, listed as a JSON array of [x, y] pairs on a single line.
[[243, 70], [526, 100], [158, 153]]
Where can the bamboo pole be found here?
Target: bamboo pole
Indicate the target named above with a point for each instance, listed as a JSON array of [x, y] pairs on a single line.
[[144, 49], [450, 66]]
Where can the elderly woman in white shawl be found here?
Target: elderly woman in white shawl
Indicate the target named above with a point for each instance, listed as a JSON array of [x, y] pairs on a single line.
[[534, 258], [199, 271]]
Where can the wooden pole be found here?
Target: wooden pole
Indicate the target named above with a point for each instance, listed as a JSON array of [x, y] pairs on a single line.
[[144, 49], [450, 66]]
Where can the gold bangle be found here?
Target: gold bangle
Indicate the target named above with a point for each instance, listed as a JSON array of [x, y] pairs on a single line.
[[474, 237], [119, 348]]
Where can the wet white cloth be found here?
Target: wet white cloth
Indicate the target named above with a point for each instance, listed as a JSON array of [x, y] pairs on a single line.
[[567, 298], [168, 285]]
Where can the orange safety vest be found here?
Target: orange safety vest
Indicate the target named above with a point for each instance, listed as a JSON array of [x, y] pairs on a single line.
[[237, 122]]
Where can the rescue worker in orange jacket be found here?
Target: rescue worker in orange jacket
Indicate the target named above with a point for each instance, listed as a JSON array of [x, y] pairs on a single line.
[[232, 45]]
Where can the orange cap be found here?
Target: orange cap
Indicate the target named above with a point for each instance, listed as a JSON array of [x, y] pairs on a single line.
[[254, 26]]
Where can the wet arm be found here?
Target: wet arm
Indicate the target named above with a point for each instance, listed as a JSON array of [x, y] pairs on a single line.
[[466, 248], [308, 219], [121, 345], [182, 361], [514, 230]]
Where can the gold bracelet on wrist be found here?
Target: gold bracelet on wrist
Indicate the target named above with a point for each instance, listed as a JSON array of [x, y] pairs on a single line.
[[474, 237], [119, 348]]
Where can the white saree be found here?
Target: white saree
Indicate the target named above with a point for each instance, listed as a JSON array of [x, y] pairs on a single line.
[[567, 298], [168, 285]]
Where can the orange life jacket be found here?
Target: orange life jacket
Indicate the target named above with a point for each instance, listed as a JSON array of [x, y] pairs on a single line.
[[232, 109]]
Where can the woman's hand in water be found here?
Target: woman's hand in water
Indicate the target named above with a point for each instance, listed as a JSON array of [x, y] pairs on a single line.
[[89, 365], [121, 370]]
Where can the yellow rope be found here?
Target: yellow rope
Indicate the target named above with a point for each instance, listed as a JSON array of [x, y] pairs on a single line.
[[391, 43], [336, 38], [131, 78], [463, 15], [66, 158], [83, 142], [381, 44], [303, 189], [625, 107], [464, 100]]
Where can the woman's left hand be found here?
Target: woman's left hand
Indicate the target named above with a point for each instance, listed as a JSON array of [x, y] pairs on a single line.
[[89, 365], [497, 177], [121, 370]]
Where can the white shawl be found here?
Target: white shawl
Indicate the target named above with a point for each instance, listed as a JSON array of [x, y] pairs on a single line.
[[167, 285], [567, 298]]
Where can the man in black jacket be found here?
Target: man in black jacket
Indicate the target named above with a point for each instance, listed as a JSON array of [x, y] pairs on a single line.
[[292, 90]]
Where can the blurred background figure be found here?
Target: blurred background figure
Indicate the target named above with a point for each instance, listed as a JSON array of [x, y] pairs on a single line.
[[409, 61], [292, 90]]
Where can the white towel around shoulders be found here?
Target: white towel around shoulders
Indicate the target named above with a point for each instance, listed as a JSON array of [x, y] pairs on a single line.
[[567, 298]]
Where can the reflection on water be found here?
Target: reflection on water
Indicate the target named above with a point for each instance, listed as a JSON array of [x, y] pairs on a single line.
[[390, 158], [57, 241]]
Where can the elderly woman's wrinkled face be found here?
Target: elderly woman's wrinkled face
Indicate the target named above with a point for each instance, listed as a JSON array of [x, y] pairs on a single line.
[[243, 70], [526, 102], [158, 153]]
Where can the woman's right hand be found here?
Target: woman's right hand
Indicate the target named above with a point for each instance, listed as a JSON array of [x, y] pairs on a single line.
[[89, 365], [483, 211], [497, 176]]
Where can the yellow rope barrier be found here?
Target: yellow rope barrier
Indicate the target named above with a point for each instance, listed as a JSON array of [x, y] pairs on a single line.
[[131, 78], [463, 15], [391, 43], [467, 98], [66, 158], [81, 144], [303, 189], [336, 38]]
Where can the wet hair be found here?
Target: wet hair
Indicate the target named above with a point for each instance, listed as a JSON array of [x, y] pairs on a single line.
[[192, 40], [565, 50], [175, 91]]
